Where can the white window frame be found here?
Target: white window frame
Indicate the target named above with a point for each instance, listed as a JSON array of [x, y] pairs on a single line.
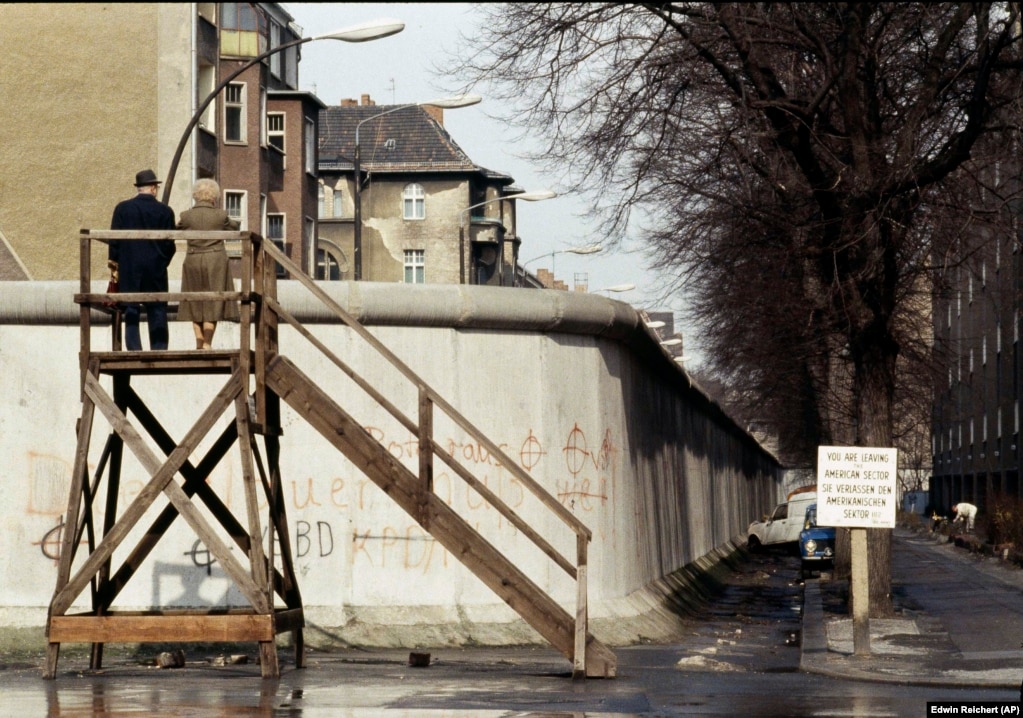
[[413, 202], [236, 203], [309, 244], [274, 132], [310, 146], [262, 117], [207, 82], [275, 41], [271, 218], [336, 207], [239, 106], [415, 266]]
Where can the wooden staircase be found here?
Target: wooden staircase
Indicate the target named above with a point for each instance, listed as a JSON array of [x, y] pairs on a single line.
[[452, 531], [275, 378]]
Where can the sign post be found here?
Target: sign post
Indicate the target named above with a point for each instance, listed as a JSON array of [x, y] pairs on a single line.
[[856, 490]]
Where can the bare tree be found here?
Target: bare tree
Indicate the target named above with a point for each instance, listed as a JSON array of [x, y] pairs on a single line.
[[795, 162]]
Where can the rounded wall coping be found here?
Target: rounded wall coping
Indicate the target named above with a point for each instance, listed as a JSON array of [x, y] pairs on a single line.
[[378, 303]]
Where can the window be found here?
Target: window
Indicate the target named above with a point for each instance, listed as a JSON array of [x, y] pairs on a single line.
[[262, 117], [335, 205], [413, 202], [275, 41], [234, 205], [310, 146], [275, 130], [275, 227], [415, 266], [207, 81], [234, 112], [321, 200], [327, 265], [275, 233], [243, 29], [308, 243]]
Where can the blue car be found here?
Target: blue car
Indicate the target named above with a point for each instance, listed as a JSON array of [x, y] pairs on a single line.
[[816, 544]]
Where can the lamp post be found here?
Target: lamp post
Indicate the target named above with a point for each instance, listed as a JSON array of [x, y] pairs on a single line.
[[357, 33], [446, 103], [537, 196]]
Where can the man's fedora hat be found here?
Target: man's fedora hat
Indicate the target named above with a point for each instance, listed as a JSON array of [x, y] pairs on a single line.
[[146, 177]]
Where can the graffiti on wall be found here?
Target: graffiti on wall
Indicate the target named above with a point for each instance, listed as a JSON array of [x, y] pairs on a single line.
[[582, 481]]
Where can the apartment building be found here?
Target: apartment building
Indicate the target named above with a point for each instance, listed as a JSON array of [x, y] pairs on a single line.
[[429, 214], [975, 426]]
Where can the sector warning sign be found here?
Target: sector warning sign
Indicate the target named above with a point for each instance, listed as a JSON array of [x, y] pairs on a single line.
[[856, 487]]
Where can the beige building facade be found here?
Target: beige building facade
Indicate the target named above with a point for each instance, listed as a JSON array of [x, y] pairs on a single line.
[[94, 93]]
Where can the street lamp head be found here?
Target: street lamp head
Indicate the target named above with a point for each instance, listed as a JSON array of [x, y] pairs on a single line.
[[671, 342], [536, 196], [373, 30], [587, 249], [657, 324], [449, 103]]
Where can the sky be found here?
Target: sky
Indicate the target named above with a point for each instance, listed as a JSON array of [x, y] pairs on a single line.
[[399, 69]]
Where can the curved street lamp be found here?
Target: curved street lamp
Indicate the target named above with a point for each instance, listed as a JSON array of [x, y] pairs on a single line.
[[535, 196], [357, 33], [445, 103]]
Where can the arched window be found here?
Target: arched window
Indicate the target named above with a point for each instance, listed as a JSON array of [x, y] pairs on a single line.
[[413, 202]]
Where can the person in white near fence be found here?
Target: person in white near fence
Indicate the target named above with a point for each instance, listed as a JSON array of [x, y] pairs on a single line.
[[965, 512]]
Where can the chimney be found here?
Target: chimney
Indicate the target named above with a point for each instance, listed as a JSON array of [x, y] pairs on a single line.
[[349, 102], [366, 101], [436, 113]]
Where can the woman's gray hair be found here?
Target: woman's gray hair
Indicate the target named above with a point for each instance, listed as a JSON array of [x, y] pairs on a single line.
[[206, 190]]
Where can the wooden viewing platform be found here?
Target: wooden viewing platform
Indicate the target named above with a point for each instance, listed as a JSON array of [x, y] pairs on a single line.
[[257, 380]]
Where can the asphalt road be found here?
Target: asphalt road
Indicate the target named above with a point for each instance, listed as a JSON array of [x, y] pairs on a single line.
[[739, 657]]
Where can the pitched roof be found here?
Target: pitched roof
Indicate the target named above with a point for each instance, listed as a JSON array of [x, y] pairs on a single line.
[[409, 140]]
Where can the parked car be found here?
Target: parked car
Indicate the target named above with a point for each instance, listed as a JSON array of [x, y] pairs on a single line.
[[784, 523], [816, 544]]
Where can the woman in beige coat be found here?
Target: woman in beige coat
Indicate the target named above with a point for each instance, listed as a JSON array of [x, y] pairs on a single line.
[[206, 268]]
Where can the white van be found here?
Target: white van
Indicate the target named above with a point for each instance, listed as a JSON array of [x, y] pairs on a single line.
[[785, 522]]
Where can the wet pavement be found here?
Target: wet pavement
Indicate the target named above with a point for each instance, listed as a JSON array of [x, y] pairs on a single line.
[[765, 646], [960, 621]]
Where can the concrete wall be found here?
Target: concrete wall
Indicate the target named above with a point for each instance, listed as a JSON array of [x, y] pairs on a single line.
[[571, 385]]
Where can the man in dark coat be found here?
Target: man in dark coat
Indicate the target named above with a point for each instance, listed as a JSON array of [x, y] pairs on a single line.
[[142, 264]]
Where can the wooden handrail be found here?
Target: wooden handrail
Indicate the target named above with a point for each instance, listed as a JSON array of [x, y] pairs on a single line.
[[507, 462]]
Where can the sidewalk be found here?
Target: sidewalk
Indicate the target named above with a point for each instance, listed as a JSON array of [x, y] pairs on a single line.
[[960, 621]]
